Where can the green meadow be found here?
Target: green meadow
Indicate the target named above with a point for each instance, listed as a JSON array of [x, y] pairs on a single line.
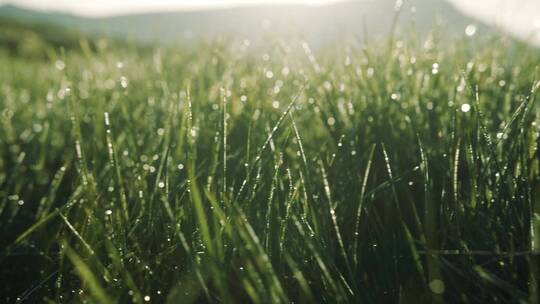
[[400, 171]]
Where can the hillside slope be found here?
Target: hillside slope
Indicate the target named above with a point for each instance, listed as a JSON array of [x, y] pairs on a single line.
[[37, 39], [319, 25]]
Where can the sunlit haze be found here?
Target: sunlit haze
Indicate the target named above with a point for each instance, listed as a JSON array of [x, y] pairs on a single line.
[[519, 17], [112, 7]]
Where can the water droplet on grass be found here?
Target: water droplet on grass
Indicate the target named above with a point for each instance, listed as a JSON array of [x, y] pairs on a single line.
[[78, 149], [470, 30], [107, 122], [437, 286], [370, 72], [37, 128], [124, 82], [194, 132], [331, 121], [398, 5], [60, 65]]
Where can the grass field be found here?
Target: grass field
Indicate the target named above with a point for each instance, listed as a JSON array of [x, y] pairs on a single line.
[[391, 172]]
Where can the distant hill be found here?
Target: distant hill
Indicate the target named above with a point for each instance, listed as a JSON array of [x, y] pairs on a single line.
[[317, 24], [37, 39]]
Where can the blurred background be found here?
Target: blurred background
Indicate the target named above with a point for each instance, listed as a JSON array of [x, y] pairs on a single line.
[[319, 22]]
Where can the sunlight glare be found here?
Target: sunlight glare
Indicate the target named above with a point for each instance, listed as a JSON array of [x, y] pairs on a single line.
[[112, 7]]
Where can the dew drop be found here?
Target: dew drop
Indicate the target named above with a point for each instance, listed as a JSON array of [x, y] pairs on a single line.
[[124, 82], [470, 30], [331, 121], [370, 72], [437, 286], [60, 65], [37, 128]]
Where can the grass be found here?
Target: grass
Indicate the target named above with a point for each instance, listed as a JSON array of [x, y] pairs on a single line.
[[233, 173]]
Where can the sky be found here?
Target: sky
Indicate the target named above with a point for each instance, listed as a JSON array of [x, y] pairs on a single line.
[[111, 7], [520, 17]]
